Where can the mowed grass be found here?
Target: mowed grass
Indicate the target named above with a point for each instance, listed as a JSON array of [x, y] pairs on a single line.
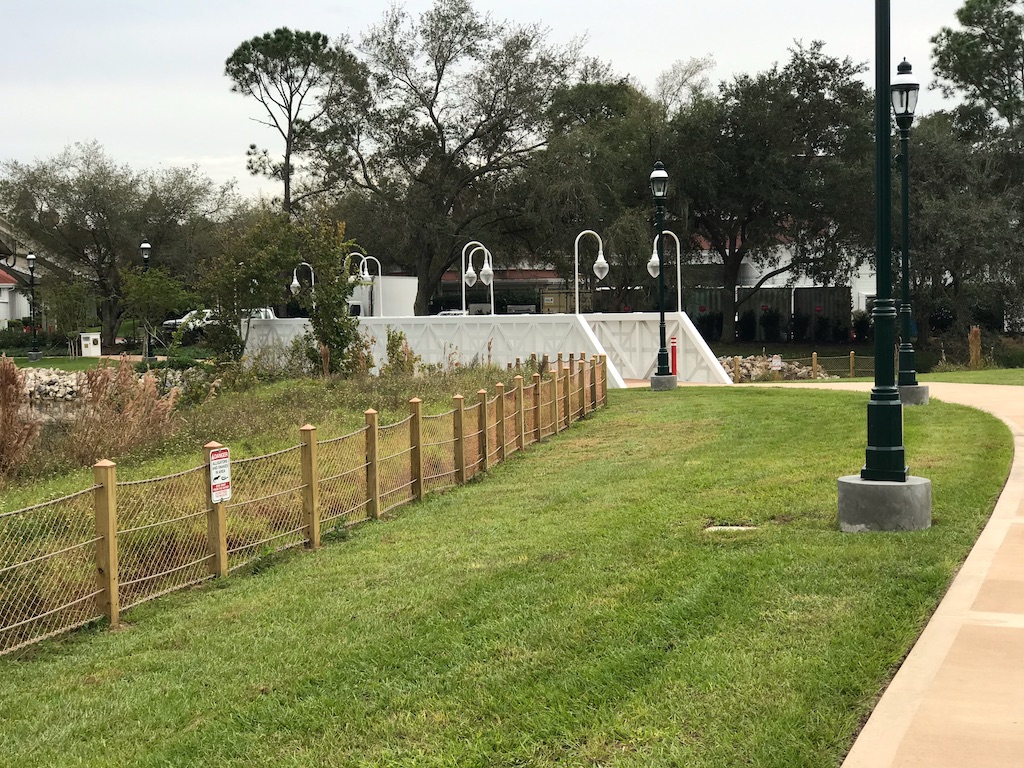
[[1011, 376], [568, 610]]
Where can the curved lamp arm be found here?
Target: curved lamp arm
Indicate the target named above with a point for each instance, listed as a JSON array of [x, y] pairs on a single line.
[[465, 277], [365, 276], [600, 266]]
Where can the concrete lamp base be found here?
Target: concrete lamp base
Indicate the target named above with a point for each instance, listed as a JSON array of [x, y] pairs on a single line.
[[663, 383], [35, 357], [916, 394], [874, 505]]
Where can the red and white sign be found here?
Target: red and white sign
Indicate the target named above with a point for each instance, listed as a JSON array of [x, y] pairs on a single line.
[[220, 475]]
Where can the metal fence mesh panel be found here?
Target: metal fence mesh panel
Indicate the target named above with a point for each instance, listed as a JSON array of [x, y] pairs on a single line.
[[342, 479], [471, 439], [511, 420], [493, 448], [161, 535], [529, 414], [47, 570], [265, 511], [393, 464], [438, 450], [547, 403]]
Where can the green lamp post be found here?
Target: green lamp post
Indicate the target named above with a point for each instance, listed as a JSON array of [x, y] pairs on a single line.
[[145, 249], [884, 458], [904, 92], [34, 355], [884, 497], [662, 378]]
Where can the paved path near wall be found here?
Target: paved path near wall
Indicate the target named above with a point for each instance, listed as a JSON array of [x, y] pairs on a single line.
[[958, 699]]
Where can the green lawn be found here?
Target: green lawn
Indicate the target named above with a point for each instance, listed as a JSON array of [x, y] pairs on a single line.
[[1014, 376], [62, 363], [568, 610]]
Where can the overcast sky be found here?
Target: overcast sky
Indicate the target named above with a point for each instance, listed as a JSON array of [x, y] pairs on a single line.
[[146, 78]]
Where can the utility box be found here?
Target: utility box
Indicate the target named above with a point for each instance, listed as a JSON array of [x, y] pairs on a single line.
[[90, 345]]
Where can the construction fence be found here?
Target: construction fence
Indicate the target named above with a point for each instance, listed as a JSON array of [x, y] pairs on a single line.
[[114, 545], [779, 368]]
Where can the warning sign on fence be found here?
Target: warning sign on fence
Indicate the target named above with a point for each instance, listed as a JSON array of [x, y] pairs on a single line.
[[776, 363], [220, 475]]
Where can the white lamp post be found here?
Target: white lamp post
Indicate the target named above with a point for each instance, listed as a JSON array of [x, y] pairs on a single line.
[[600, 266], [365, 276], [654, 267], [295, 281], [468, 276], [487, 275]]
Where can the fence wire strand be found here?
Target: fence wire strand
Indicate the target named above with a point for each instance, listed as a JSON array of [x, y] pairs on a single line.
[[265, 507], [161, 538], [47, 570], [394, 471], [438, 450], [342, 471]]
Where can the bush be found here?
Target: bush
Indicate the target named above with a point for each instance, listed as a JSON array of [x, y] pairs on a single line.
[[863, 328], [18, 430], [402, 361], [771, 324], [118, 413], [710, 326], [1009, 353], [801, 326], [746, 326]]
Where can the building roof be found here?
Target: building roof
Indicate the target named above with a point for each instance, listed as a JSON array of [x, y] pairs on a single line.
[[6, 279]]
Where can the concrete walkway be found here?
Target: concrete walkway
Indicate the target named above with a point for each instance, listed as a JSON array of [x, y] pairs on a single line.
[[958, 698]]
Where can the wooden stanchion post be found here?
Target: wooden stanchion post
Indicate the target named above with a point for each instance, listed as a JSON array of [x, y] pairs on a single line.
[[520, 414], [310, 486], [736, 369], [460, 438], [416, 448], [372, 466], [108, 602], [216, 522], [499, 418], [814, 365], [853, 364], [484, 425], [536, 407]]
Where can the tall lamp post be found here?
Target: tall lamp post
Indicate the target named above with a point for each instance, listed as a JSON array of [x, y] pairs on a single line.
[[904, 91], [600, 266], [884, 497], [145, 249], [365, 276], [662, 378], [34, 355]]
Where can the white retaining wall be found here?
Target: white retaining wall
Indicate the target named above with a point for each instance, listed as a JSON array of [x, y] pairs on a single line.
[[629, 340]]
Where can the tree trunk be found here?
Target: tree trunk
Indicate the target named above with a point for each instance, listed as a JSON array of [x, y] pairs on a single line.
[[730, 277]]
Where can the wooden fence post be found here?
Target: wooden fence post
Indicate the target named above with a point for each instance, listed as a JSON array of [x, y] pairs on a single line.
[[814, 365], [604, 380], [310, 486], [593, 373], [416, 447], [853, 366], [499, 418], [460, 438], [536, 407], [736, 369], [108, 602], [484, 426], [567, 393], [520, 414], [216, 523], [372, 467], [584, 389], [545, 364], [555, 426]]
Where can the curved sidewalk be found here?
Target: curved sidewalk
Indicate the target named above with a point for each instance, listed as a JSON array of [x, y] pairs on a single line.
[[958, 698]]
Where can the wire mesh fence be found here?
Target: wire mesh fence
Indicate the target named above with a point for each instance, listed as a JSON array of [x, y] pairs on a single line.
[[114, 545], [439, 450], [161, 535], [342, 480], [393, 465], [47, 570], [265, 512]]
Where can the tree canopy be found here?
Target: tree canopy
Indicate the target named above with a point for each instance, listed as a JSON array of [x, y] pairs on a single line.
[[455, 105], [778, 158], [293, 75], [91, 214]]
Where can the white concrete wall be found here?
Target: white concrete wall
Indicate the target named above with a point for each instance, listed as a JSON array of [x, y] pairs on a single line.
[[630, 341]]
